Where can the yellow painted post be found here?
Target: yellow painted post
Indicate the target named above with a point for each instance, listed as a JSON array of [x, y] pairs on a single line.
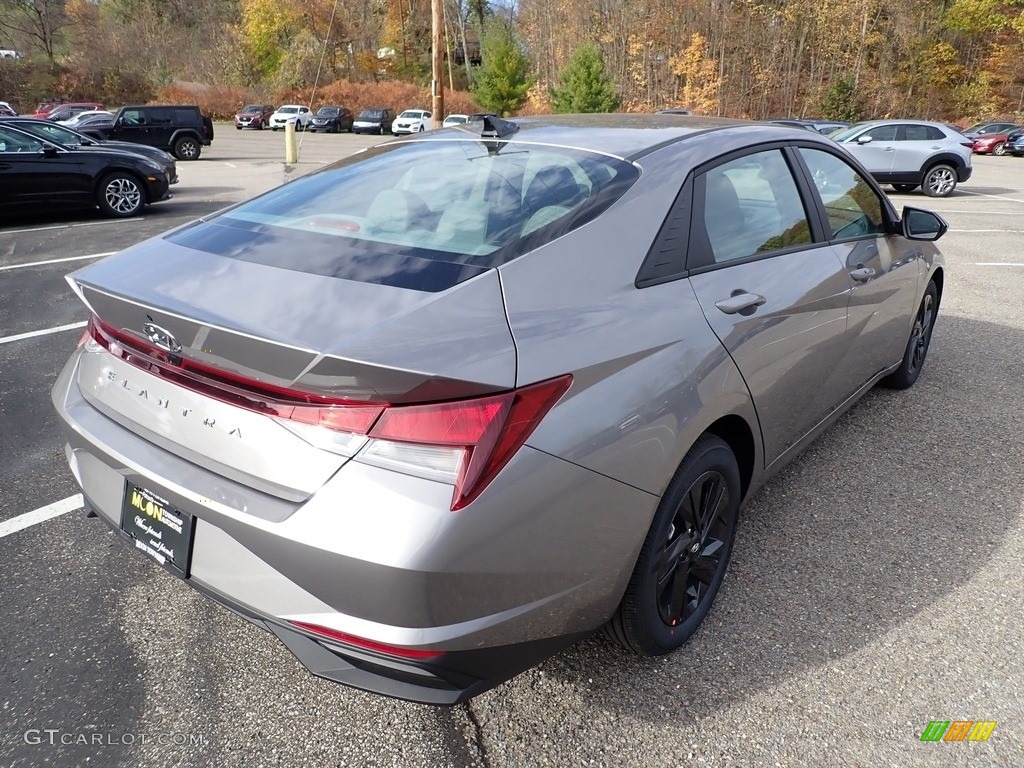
[[291, 147]]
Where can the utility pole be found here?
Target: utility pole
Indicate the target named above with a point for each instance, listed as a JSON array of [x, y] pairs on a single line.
[[437, 48]]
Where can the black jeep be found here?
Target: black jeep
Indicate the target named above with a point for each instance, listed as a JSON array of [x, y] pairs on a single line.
[[180, 129]]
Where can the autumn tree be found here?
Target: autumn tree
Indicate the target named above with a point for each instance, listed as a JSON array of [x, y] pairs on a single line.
[[585, 86], [503, 83], [42, 23]]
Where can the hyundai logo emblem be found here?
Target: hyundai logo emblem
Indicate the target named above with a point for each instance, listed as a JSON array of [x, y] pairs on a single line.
[[161, 337]]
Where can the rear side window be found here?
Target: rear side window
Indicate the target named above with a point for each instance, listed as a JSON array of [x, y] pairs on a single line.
[[161, 116], [751, 206], [914, 132], [424, 215]]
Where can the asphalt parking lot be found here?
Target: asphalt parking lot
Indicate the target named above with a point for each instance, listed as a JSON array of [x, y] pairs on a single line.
[[876, 583]]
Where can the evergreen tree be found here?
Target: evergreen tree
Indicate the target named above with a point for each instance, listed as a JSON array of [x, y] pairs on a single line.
[[504, 79], [586, 87]]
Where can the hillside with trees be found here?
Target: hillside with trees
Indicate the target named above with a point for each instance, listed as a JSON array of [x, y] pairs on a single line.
[[940, 59]]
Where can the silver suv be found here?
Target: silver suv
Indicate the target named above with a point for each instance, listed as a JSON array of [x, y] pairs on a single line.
[[910, 154]]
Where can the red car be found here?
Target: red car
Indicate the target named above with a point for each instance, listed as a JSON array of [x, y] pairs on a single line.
[[62, 110], [254, 116], [991, 143]]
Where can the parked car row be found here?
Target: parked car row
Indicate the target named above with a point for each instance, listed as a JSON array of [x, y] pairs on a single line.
[[44, 165], [335, 119]]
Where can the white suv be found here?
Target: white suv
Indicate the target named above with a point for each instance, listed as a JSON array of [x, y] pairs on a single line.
[[291, 113], [910, 154], [413, 121]]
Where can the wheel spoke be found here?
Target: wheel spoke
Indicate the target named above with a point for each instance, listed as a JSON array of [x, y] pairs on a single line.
[[714, 495], [679, 598]]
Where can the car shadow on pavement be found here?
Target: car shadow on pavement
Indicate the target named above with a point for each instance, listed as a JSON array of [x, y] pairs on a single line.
[[898, 505]]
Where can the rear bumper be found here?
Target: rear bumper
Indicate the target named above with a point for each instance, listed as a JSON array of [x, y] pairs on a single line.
[[538, 561], [448, 679], [963, 174]]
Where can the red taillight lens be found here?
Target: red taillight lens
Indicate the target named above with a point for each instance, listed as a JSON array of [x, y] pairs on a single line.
[[489, 429], [464, 442], [369, 645]]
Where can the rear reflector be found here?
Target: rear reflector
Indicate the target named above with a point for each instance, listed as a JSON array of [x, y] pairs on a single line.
[[462, 442], [368, 645]]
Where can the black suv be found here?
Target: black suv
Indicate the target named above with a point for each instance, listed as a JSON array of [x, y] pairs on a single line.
[[181, 130]]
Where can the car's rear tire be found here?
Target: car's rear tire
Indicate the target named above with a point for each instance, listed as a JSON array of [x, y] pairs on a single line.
[[939, 181], [920, 340], [685, 555], [120, 194], [187, 148], [905, 187], [999, 149]]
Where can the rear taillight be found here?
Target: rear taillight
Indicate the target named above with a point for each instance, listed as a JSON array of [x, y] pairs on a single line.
[[368, 645], [465, 443]]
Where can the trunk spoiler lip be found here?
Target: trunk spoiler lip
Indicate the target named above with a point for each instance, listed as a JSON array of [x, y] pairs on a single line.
[[206, 326]]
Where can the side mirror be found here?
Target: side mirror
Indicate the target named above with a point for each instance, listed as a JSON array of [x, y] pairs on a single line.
[[863, 138], [918, 224], [49, 151]]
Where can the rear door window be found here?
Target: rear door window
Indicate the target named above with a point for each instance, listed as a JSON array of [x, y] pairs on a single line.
[[751, 206]]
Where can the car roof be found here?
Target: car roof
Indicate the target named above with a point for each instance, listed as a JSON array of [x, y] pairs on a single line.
[[623, 134], [900, 121]]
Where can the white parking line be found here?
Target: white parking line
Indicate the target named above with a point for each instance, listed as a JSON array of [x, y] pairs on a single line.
[[994, 197], [1005, 231], [70, 226], [57, 261], [999, 263], [41, 515], [43, 332]]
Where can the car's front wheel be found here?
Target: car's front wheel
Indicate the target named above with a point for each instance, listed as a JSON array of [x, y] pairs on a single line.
[[685, 555], [187, 148], [120, 195], [939, 181], [920, 340]]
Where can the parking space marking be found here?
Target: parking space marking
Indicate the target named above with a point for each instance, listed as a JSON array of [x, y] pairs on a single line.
[[1004, 231], [994, 197], [41, 515], [43, 332], [57, 261], [999, 263], [70, 226]]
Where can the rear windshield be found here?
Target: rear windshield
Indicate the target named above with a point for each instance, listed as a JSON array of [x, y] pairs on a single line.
[[371, 114], [423, 215]]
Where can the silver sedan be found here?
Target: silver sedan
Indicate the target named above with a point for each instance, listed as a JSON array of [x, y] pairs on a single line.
[[439, 410]]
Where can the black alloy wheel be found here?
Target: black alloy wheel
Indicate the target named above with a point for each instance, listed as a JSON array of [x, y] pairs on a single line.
[[685, 555], [920, 340]]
